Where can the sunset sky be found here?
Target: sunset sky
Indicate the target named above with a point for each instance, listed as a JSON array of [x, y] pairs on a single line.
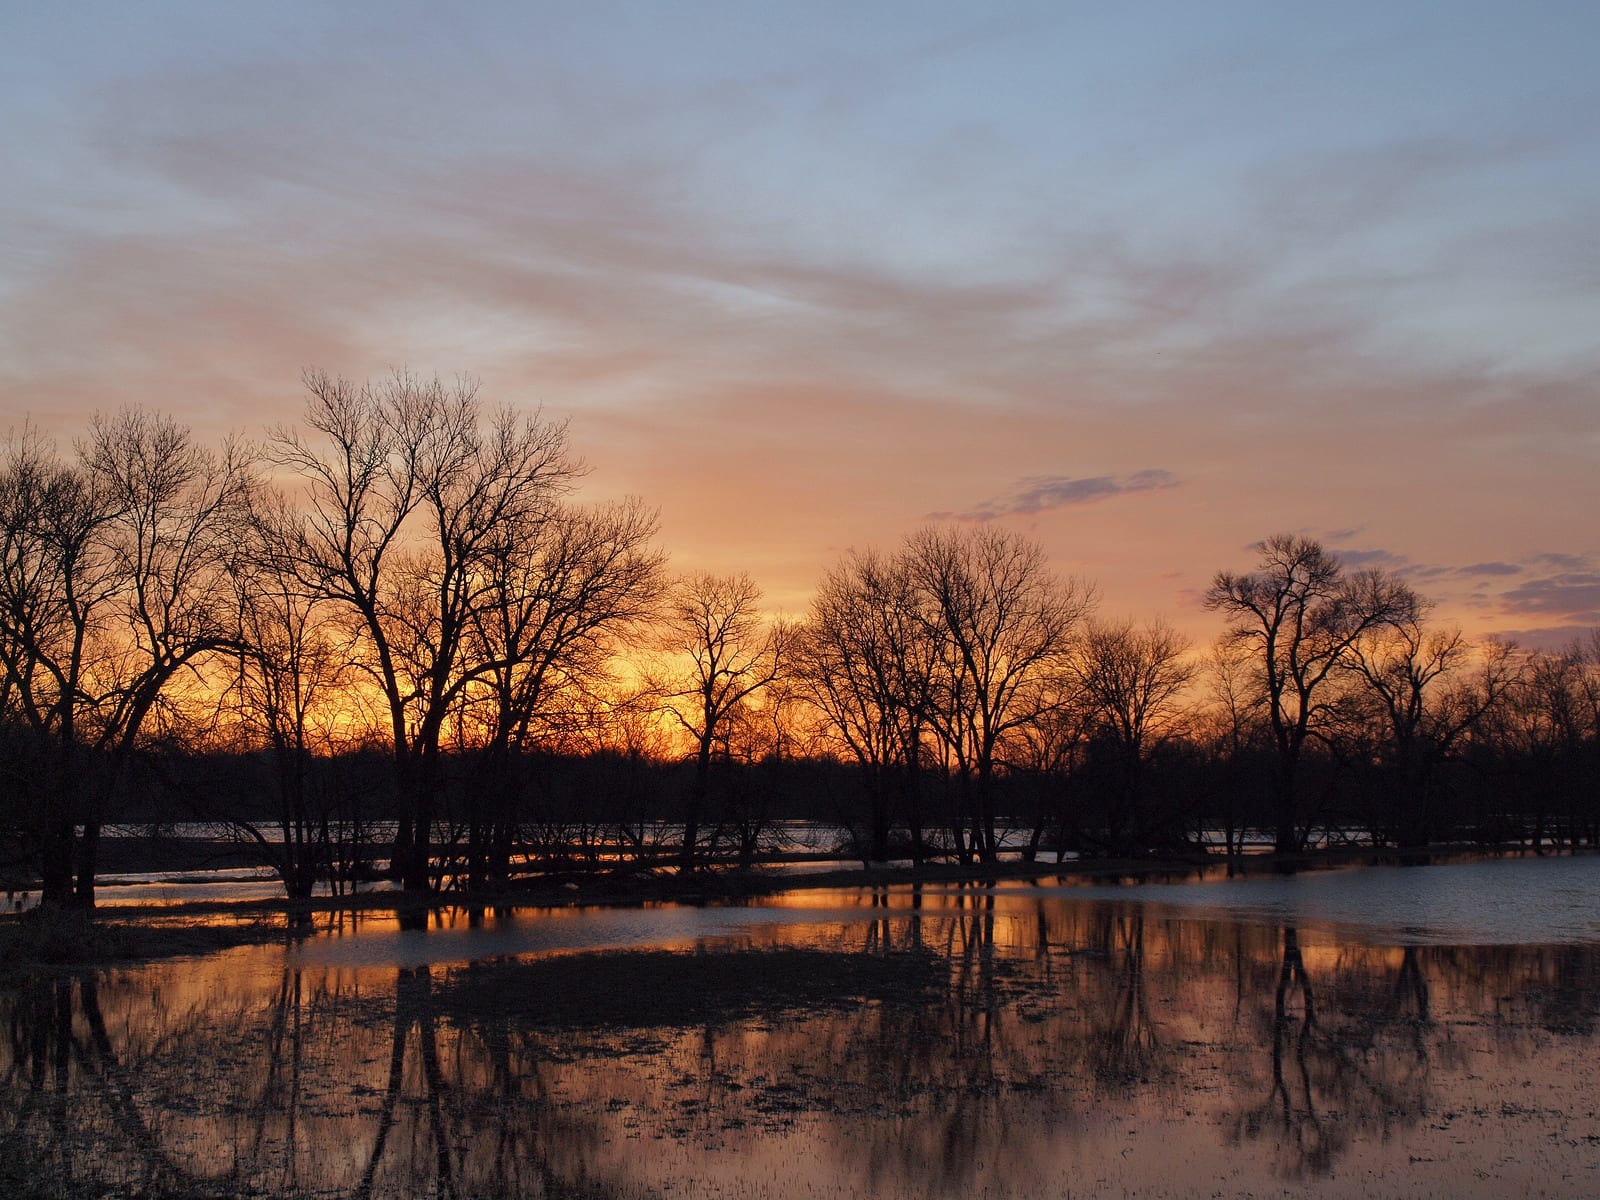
[[1146, 282]]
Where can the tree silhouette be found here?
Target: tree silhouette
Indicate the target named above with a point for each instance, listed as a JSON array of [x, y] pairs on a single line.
[[864, 659], [1301, 616], [723, 654], [412, 495], [1132, 679], [558, 596], [1002, 624], [1426, 703], [114, 574]]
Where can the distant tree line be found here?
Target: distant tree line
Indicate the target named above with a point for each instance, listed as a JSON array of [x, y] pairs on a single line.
[[389, 640]]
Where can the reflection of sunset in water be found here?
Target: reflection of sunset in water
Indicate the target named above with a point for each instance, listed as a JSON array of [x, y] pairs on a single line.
[[931, 1044]]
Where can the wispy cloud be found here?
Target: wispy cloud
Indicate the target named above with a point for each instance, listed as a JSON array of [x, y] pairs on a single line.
[[1565, 562], [1042, 493], [1553, 638], [1572, 593], [1388, 560], [772, 277], [1562, 588]]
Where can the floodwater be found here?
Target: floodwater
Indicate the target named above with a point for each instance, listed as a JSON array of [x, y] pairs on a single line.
[[1366, 1032]]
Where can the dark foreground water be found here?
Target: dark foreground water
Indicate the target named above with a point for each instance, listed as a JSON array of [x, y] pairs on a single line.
[[1387, 1031]]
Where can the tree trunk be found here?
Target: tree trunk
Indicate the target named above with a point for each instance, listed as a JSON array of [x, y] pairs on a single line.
[[60, 833], [1288, 839], [691, 817], [88, 859], [416, 859], [56, 873]]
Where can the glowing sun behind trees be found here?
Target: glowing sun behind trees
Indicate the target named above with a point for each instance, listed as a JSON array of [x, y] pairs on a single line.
[[439, 532], [963, 636], [425, 584], [723, 655]]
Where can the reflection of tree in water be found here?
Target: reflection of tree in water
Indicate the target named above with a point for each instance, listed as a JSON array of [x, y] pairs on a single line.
[[472, 1112], [1335, 1060], [68, 1093], [937, 1037], [413, 1009], [1129, 1046], [945, 1067], [886, 1047], [1290, 1111], [1555, 993], [167, 1099]]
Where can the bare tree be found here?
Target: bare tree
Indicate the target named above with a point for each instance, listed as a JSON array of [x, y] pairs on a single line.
[[1427, 702], [412, 495], [624, 743], [1003, 624], [560, 592], [291, 695], [724, 652], [1301, 615], [57, 583], [113, 581], [1540, 734], [1133, 679], [1231, 731], [864, 658], [1052, 749]]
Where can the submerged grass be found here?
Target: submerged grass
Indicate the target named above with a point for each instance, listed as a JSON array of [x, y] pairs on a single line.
[[68, 938], [644, 989], [59, 937]]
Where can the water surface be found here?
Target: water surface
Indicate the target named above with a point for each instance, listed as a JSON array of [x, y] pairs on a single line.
[[1386, 1031]]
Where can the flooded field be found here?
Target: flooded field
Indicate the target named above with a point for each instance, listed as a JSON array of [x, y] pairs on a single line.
[[1382, 1031]]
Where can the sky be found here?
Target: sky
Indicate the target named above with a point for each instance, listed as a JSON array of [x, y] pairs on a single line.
[[1145, 282]]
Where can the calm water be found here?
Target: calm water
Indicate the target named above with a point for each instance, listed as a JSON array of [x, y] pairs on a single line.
[[1385, 1031]]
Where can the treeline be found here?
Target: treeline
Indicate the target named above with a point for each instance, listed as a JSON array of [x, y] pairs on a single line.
[[393, 623]]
